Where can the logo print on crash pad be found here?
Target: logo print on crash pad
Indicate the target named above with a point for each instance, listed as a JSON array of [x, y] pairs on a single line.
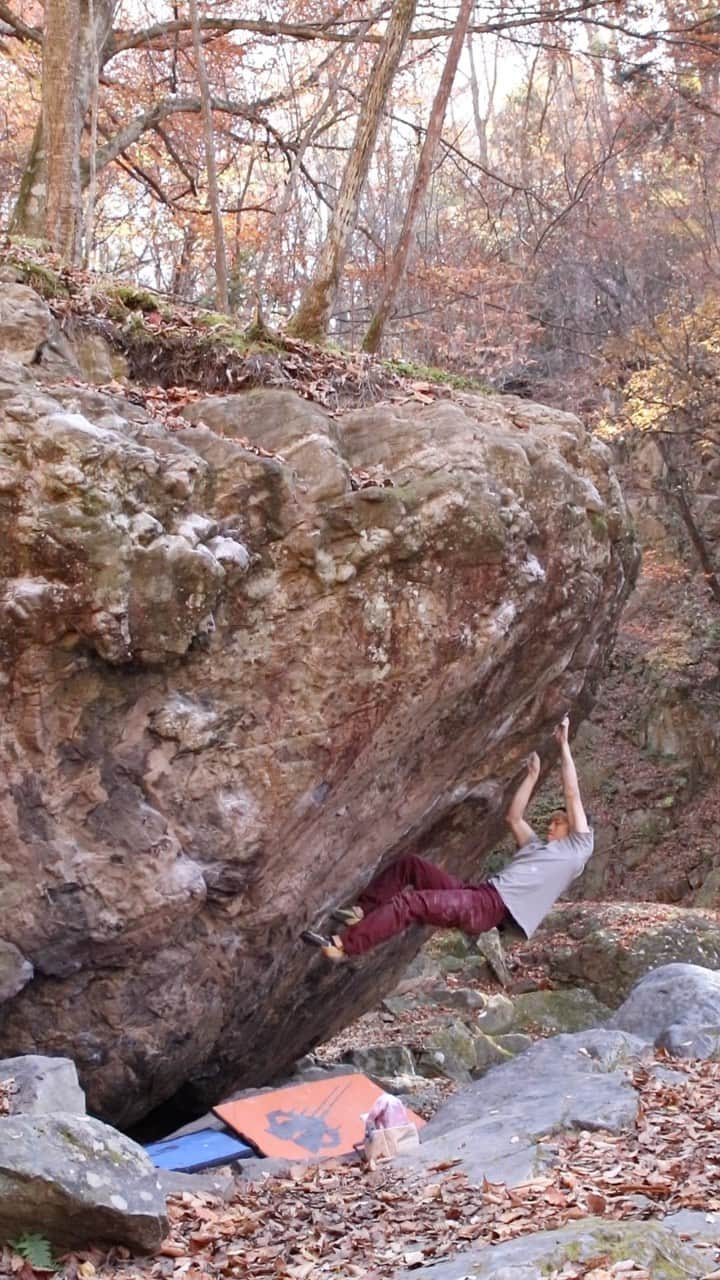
[[307, 1129], [310, 1132]]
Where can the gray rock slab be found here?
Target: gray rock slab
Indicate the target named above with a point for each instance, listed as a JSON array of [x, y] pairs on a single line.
[[43, 1086], [694, 1223], [80, 1182], [672, 993], [15, 970], [554, 1012], [25, 322], [684, 1040], [485, 1150], [218, 1182], [569, 1081], [530, 1257]]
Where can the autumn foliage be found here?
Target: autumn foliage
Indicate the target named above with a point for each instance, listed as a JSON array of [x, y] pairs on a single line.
[[572, 196]]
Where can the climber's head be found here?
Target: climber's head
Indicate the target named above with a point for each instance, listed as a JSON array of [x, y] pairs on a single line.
[[558, 826]]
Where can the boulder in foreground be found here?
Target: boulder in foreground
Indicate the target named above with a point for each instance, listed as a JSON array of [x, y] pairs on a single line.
[[78, 1182]]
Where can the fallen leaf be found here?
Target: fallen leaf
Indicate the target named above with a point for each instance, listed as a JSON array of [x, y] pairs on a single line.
[[169, 1249], [553, 1196]]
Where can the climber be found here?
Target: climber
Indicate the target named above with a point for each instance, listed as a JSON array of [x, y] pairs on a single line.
[[413, 891]]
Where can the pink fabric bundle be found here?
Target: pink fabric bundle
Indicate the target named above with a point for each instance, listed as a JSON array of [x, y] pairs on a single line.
[[386, 1112]]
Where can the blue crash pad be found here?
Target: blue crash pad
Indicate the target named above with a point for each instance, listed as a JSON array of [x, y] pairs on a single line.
[[200, 1150]]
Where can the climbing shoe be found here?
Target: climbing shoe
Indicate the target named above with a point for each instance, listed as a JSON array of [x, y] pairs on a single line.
[[331, 947], [348, 915]]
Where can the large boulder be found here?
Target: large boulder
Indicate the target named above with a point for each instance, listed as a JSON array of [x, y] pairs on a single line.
[[613, 945], [78, 1182], [239, 677], [568, 1081], [675, 1006]]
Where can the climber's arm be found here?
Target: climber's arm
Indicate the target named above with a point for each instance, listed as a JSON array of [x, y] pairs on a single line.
[[573, 803], [515, 818]]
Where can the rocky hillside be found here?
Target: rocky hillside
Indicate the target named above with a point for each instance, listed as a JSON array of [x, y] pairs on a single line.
[[252, 649], [649, 753]]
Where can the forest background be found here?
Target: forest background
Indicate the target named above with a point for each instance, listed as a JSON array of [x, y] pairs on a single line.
[[267, 157]]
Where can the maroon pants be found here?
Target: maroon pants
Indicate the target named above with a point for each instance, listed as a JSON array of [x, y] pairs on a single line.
[[413, 891]]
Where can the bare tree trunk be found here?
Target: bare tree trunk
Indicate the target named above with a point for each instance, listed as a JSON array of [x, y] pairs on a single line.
[[92, 146], [482, 121], [276, 227], [62, 125], [313, 315], [180, 286], [374, 334], [28, 215], [221, 271], [676, 488], [70, 61]]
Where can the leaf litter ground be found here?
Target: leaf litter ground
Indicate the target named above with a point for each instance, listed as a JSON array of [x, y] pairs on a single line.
[[338, 1221]]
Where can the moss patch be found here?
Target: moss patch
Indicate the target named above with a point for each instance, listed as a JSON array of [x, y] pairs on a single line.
[[666, 1259], [599, 526], [133, 298], [430, 373], [48, 283]]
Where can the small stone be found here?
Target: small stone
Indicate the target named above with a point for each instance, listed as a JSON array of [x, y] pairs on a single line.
[[43, 1085], [497, 1015], [15, 970], [450, 1052], [488, 1053]]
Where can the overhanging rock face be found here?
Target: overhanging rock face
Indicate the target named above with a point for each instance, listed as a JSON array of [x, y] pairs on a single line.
[[235, 682]]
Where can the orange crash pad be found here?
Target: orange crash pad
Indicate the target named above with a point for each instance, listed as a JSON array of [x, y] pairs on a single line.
[[323, 1118]]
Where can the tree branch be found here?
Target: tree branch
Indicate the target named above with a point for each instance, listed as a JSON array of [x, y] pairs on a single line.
[[330, 30], [159, 31], [159, 112], [176, 157], [18, 28]]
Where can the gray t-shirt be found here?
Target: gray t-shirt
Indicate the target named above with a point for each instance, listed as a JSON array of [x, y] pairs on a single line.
[[539, 873]]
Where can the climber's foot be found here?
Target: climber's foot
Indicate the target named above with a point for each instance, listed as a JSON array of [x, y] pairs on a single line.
[[332, 948]]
